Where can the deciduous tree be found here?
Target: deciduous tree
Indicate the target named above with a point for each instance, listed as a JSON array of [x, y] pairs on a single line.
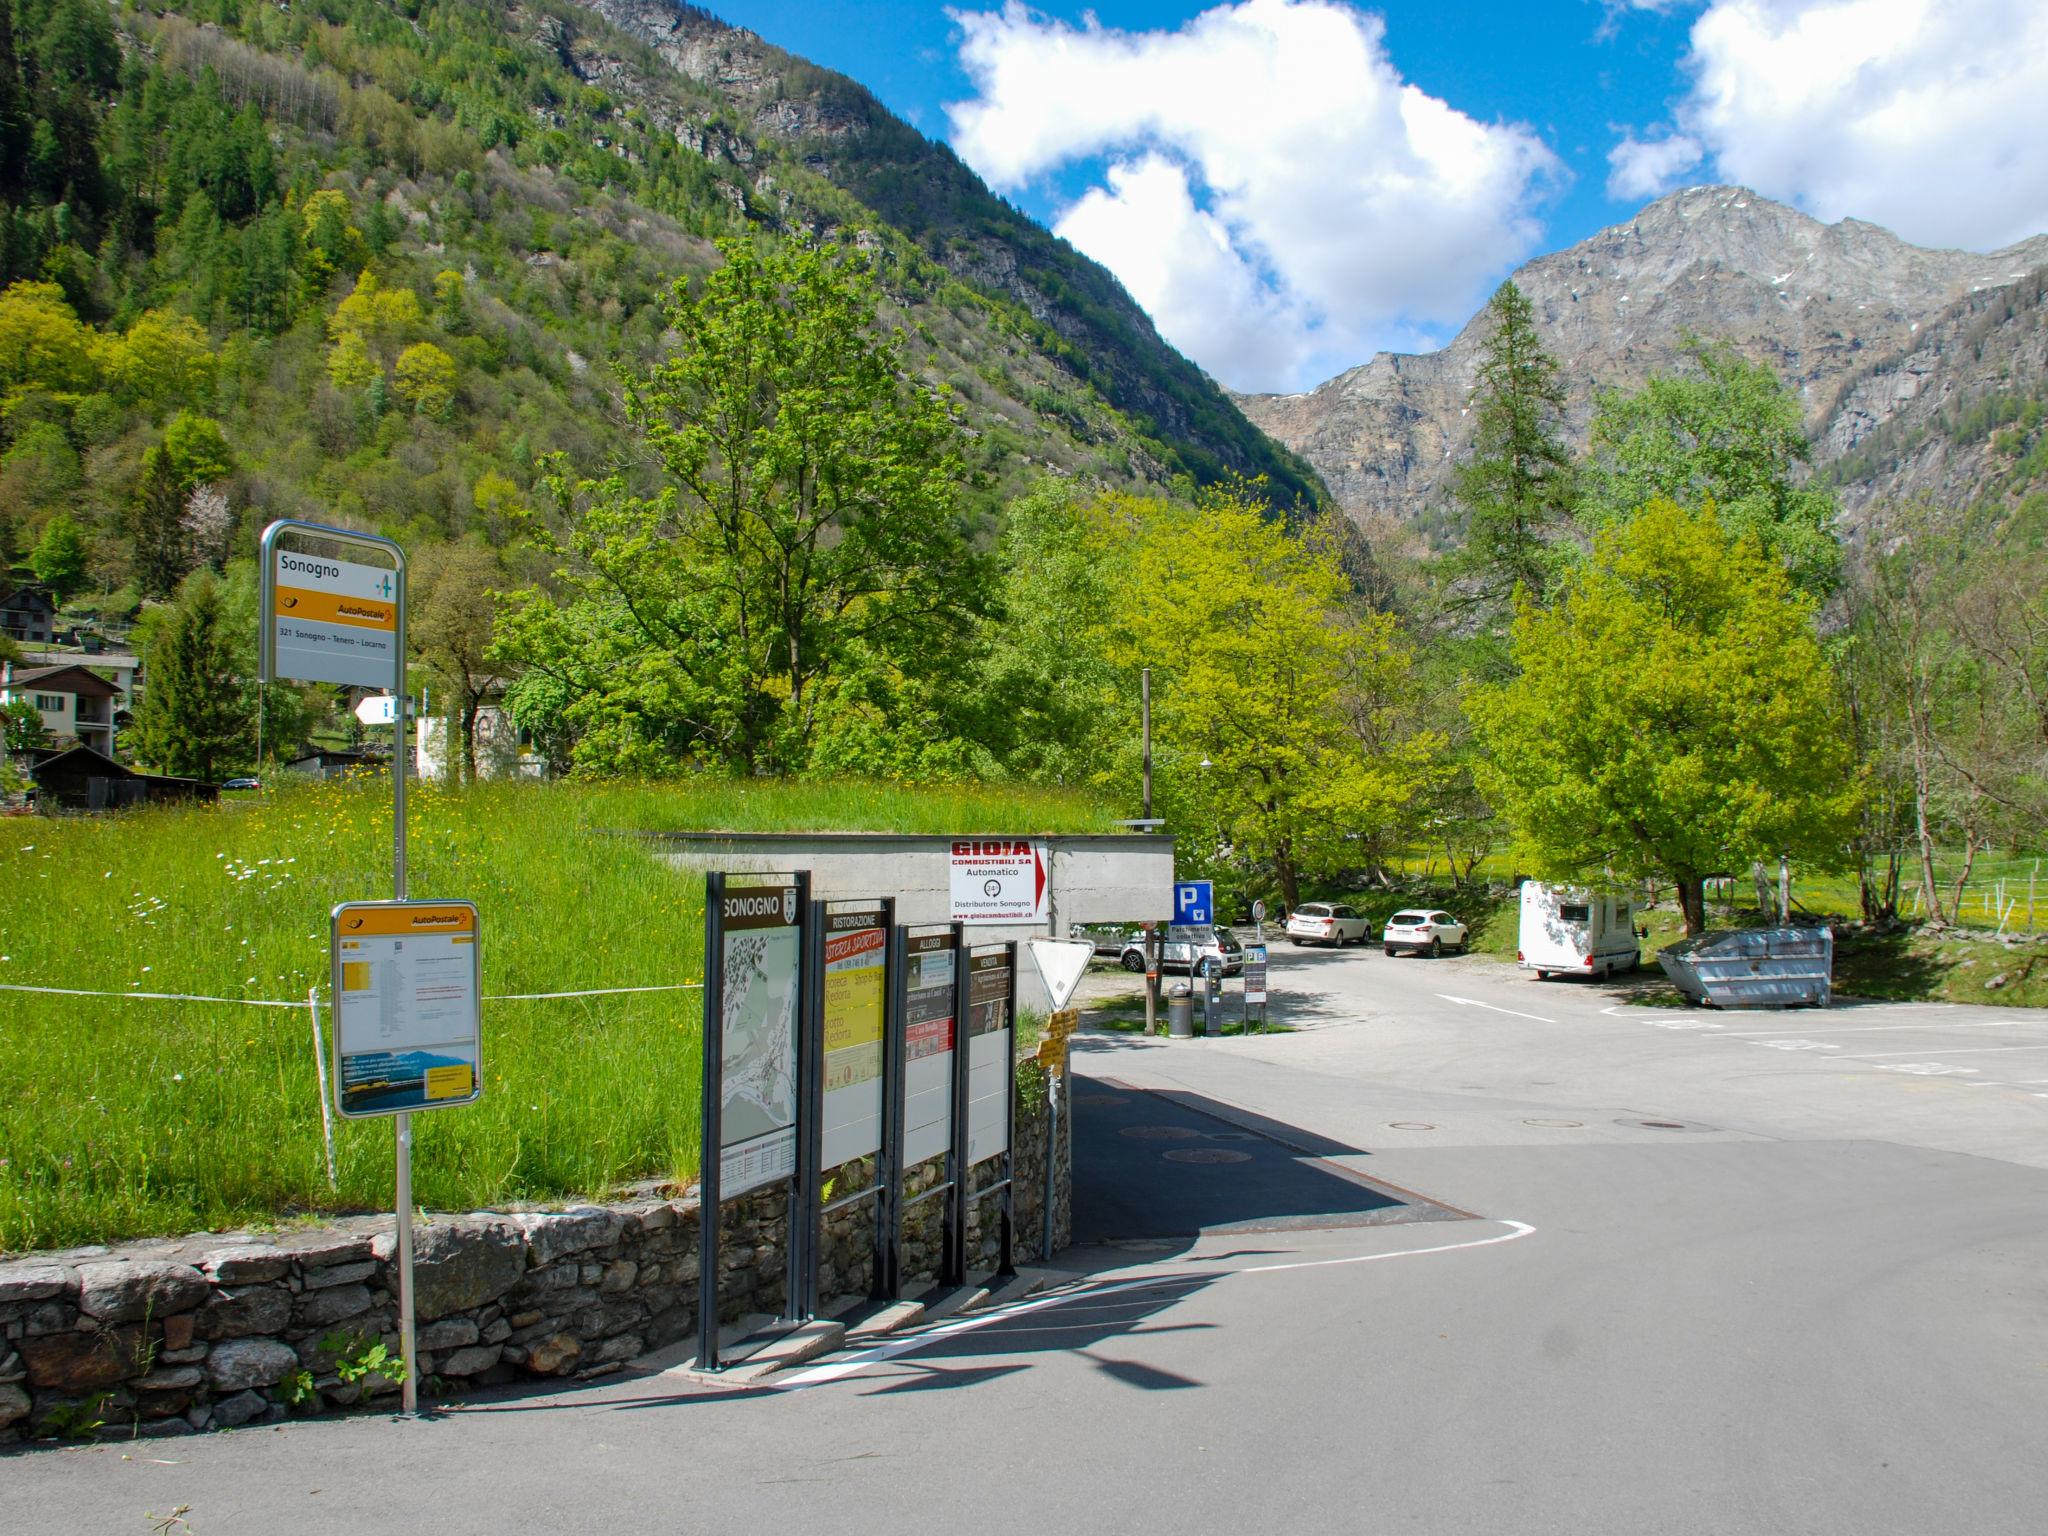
[[1674, 715], [59, 558]]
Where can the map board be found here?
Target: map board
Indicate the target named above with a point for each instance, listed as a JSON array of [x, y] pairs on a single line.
[[991, 994], [856, 1004], [333, 606], [928, 1047], [1000, 880], [407, 1018], [763, 965]]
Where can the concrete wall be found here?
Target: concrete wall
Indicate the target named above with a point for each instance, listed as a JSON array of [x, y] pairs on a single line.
[[1092, 879]]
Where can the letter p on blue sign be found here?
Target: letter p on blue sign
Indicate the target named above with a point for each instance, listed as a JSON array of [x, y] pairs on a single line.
[[1194, 901]]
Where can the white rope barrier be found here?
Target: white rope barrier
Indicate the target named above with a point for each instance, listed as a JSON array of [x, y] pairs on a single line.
[[264, 1002]]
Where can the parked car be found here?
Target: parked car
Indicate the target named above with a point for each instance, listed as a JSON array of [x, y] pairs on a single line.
[[242, 783], [1568, 931], [1319, 922], [1423, 929], [1197, 948], [1108, 938]]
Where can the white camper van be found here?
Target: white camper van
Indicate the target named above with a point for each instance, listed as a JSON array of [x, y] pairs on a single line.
[[1567, 931]]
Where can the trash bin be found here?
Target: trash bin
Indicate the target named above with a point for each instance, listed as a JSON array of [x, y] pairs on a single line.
[[1180, 1012]]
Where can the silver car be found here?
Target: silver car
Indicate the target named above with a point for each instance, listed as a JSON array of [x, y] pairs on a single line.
[[1197, 948]]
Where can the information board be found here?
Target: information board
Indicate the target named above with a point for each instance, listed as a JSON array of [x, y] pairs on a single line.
[[333, 606], [855, 1004], [990, 997], [1000, 880], [928, 1047], [1254, 973], [763, 967], [406, 984]]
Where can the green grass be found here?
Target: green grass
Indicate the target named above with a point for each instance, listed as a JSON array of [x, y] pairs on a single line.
[[133, 1118]]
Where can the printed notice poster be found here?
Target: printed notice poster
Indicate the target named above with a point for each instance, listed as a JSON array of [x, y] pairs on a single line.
[[856, 954], [1254, 973], [988, 1054], [407, 1026], [928, 1048], [763, 961], [1000, 880], [332, 620]]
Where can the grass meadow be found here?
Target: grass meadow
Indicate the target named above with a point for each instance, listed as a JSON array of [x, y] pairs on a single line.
[[137, 1117]]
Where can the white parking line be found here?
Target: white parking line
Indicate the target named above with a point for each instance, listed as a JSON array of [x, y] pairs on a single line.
[[1975, 1050], [1864, 1029]]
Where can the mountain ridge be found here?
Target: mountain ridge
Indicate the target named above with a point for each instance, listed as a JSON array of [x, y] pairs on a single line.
[[1821, 303]]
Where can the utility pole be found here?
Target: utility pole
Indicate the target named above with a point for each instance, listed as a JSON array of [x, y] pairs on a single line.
[[1145, 710], [1151, 933]]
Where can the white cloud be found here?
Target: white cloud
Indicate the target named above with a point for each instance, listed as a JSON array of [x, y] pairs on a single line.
[[1646, 167], [1275, 195], [1926, 116]]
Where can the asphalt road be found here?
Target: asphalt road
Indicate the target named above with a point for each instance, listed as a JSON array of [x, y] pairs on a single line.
[[1636, 1270]]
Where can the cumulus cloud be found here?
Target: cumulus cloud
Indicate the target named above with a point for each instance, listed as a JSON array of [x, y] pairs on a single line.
[[1646, 167], [1926, 116], [1270, 189]]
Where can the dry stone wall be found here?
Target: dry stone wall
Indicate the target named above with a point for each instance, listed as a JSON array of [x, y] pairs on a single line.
[[222, 1330]]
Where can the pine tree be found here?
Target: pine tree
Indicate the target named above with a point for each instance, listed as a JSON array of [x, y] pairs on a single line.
[[1518, 489], [195, 719], [161, 547]]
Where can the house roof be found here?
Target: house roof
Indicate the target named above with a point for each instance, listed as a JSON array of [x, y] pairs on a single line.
[[68, 679], [10, 591], [95, 761]]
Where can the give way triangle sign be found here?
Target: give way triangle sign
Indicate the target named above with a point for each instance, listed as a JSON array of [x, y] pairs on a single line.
[[1060, 963]]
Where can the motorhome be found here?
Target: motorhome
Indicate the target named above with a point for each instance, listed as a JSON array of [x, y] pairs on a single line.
[[1570, 931]]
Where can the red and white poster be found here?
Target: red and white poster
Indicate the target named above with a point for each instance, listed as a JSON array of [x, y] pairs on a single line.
[[1000, 880]]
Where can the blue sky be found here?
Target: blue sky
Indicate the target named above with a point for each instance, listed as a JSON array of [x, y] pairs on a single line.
[[1288, 186]]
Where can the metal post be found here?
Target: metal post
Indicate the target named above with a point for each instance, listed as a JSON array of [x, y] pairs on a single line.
[[1145, 698], [1007, 1258], [409, 1393], [810, 1148], [1784, 888], [320, 1068], [895, 1048], [1151, 979], [712, 1103], [796, 1246], [1052, 1147], [953, 1252]]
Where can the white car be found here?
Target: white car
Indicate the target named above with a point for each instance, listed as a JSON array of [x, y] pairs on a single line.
[[1200, 949], [1422, 929], [1318, 922]]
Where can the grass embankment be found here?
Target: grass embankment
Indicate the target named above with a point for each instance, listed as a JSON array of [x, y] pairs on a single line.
[[141, 1117]]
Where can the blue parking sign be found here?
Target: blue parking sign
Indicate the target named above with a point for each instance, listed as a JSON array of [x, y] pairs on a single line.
[[1194, 901]]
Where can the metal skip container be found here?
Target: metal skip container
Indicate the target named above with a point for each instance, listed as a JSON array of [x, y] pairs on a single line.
[[1755, 968]]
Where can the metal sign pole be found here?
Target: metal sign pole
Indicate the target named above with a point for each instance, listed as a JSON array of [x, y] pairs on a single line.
[[810, 1152], [801, 1221], [407, 1334], [895, 1054], [712, 1104], [953, 1261], [1052, 1145], [1009, 1219]]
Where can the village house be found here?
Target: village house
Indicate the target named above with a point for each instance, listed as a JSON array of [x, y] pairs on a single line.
[[77, 705]]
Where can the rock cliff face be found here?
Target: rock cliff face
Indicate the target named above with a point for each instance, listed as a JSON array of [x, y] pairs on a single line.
[[1862, 324], [771, 104]]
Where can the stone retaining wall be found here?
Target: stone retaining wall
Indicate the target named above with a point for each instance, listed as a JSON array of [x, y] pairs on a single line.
[[221, 1330]]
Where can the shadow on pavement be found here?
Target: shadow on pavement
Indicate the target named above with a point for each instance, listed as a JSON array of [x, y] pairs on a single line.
[[1154, 1164]]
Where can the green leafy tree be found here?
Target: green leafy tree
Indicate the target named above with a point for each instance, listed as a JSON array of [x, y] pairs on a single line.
[[452, 592], [164, 359], [1674, 715], [1519, 489], [425, 380], [1271, 712], [59, 558], [196, 450], [808, 535], [42, 342], [21, 723], [194, 720], [1728, 433]]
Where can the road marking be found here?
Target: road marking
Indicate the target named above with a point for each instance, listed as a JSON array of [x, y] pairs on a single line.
[[1794, 1045], [1974, 1050], [837, 1370], [1685, 1024], [1473, 1002], [1865, 1029], [1930, 1069]]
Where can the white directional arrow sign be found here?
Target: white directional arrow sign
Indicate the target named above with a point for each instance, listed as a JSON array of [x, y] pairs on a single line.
[[378, 709], [1061, 963]]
